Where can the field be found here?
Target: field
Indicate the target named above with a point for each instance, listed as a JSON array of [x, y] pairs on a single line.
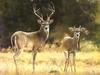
[[50, 63]]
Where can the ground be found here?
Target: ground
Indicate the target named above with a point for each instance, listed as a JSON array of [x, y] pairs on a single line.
[[50, 63]]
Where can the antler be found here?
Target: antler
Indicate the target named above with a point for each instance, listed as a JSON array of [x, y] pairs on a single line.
[[36, 12], [77, 29], [52, 9]]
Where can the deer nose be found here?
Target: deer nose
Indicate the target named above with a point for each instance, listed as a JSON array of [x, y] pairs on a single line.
[[77, 35], [46, 28]]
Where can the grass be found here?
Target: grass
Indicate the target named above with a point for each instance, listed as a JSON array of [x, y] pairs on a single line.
[[50, 63]]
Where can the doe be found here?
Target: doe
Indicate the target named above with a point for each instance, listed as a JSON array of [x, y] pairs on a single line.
[[71, 44]]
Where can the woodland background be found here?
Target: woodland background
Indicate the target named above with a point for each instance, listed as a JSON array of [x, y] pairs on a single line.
[[18, 15]]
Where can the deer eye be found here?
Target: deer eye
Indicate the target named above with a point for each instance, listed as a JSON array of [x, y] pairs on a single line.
[[77, 34]]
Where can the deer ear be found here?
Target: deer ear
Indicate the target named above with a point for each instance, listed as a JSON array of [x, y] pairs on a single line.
[[39, 21], [71, 29], [51, 21], [84, 30]]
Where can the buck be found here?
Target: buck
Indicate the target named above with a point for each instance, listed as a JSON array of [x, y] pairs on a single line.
[[32, 40], [71, 44]]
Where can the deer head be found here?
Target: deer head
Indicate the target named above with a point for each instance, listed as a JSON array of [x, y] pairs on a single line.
[[41, 21], [44, 23], [79, 29]]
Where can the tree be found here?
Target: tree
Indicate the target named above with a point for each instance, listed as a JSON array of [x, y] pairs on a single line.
[[18, 14]]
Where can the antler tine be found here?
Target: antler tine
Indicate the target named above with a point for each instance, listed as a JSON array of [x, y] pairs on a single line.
[[53, 6], [80, 26], [42, 16], [35, 12], [52, 10], [74, 28]]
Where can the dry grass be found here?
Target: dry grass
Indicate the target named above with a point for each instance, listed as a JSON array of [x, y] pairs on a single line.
[[50, 63]]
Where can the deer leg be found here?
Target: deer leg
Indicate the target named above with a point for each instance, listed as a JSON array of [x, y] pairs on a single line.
[[71, 65], [74, 62], [15, 61], [65, 60], [65, 64], [70, 61], [34, 57]]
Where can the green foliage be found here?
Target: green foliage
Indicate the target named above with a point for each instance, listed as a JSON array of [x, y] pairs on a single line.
[[18, 14]]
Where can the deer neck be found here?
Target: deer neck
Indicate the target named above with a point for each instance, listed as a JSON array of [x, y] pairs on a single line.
[[44, 35], [76, 39]]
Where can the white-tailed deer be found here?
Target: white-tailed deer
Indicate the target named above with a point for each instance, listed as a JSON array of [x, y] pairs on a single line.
[[32, 40], [70, 45]]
